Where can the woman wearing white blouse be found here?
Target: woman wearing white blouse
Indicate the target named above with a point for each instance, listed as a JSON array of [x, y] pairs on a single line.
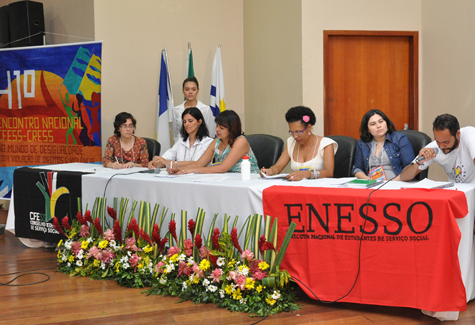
[[193, 142]]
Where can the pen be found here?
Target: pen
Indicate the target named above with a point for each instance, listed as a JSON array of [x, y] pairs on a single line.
[[117, 160]]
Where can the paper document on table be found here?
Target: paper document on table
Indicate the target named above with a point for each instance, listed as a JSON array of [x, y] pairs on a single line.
[[211, 179], [166, 175], [428, 183], [264, 176]]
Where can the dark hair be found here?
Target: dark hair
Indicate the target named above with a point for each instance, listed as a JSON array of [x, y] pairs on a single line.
[[120, 119], [231, 121], [446, 121], [191, 79], [365, 136], [298, 112], [202, 129]]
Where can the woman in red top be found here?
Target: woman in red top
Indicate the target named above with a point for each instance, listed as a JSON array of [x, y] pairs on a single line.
[[124, 149]]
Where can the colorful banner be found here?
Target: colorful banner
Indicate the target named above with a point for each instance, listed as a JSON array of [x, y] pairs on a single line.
[[50, 107], [400, 250]]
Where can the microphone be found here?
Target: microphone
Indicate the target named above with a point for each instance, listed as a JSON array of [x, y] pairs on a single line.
[[421, 158]]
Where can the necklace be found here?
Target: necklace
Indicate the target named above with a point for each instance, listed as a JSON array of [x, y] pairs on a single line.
[[122, 151], [298, 152]]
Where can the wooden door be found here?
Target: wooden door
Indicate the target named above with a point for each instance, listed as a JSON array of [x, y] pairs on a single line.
[[369, 70]]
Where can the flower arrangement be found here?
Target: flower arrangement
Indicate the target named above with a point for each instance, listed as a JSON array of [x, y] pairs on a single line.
[[203, 269]]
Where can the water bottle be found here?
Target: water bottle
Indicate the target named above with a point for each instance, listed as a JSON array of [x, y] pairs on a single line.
[[245, 168]]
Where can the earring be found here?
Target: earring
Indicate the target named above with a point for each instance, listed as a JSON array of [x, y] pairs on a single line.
[[309, 133]]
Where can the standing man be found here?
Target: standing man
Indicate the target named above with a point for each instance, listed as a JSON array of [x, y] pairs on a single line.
[[455, 153]]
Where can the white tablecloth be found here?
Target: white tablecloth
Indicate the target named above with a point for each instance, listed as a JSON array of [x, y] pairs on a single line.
[[227, 193]]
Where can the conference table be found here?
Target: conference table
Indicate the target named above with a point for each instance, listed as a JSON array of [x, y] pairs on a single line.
[[228, 194]]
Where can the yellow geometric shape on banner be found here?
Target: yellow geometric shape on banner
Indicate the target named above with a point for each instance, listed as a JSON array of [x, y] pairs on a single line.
[[60, 191], [222, 105]]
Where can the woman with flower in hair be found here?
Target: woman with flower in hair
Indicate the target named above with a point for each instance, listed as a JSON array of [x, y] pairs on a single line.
[[311, 156]]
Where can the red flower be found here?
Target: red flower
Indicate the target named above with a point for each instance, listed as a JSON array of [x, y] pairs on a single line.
[[134, 227], [87, 216], [112, 213], [156, 234], [215, 239], [198, 241], [162, 244], [145, 237], [213, 259], [172, 229], [191, 227], [117, 231], [97, 225], [57, 227], [81, 219], [265, 245], [65, 223], [234, 239]]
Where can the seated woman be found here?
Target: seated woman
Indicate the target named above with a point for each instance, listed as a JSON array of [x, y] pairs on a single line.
[[193, 142], [124, 149], [311, 155], [382, 153], [226, 151]]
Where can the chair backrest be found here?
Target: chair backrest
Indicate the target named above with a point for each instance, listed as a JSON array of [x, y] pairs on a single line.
[[267, 148], [418, 141], [153, 147], [345, 155]]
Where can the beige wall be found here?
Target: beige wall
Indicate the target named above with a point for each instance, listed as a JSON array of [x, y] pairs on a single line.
[[448, 79], [272, 63], [135, 32]]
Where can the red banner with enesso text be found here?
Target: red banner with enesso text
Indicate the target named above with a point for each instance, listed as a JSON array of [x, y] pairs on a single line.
[[397, 249]]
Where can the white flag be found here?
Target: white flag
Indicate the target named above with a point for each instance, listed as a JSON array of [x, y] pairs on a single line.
[[165, 104], [216, 98]]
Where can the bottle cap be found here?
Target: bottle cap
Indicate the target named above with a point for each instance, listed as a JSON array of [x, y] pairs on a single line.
[[245, 157]]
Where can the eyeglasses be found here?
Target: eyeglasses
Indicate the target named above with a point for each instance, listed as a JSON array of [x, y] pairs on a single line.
[[296, 132], [123, 126]]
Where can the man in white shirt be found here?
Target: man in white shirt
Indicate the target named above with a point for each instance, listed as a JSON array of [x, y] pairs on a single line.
[[456, 152]]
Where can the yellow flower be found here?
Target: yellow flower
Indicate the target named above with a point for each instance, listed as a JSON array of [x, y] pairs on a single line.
[[250, 284], [103, 244], [72, 234], [60, 243], [117, 266], [205, 265], [237, 294], [146, 260], [263, 265], [84, 244], [270, 301], [97, 263], [229, 289], [231, 263], [148, 249], [196, 279], [71, 258], [259, 289], [174, 258], [59, 254]]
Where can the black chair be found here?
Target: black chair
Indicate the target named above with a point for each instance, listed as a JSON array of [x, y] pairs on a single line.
[[153, 147], [418, 141], [345, 155], [267, 148]]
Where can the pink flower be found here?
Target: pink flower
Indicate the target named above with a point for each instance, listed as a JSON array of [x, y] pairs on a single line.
[[93, 252], [188, 247], [158, 267], [84, 231], [197, 271], [183, 268], [172, 251], [106, 256], [130, 241], [241, 282], [306, 118], [259, 275], [216, 274], [109, 234], [134, 261], [204, 252], [76, 247], [247, 255]]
